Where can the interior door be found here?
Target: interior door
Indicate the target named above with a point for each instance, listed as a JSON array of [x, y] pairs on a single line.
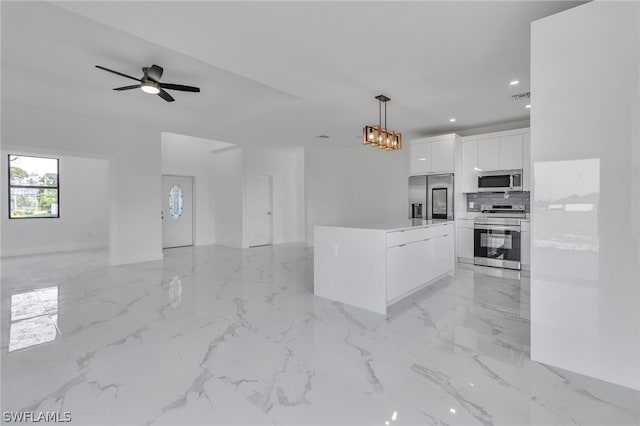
[[259, 214], [177, 211]]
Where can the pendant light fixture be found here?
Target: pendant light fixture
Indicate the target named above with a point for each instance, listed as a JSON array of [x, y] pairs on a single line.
[[382, 137]]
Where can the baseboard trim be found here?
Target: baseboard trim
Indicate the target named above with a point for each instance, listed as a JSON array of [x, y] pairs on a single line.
[[61, 248]]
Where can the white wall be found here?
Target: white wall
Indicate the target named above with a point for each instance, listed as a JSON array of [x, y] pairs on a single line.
[[299, 220], [134, 174], [355, 185], [189, 156], [288, 189], [585, 277], [228, 180], [84, 208]]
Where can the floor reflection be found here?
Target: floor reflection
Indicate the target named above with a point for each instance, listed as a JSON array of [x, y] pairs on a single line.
[[175, 291], [34, 318]]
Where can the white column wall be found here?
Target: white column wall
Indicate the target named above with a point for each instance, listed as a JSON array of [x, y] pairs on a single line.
[[585, 276], [228, 177]]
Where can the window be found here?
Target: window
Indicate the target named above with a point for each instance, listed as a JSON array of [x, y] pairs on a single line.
[[33, 187], [176, 202]]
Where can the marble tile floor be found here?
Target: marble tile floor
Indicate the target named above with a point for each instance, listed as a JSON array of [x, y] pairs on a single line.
[[223, 336]]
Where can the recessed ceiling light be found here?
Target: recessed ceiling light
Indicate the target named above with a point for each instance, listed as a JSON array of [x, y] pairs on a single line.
[[422, 159], [527, 106], [452, 120], [514, 82]]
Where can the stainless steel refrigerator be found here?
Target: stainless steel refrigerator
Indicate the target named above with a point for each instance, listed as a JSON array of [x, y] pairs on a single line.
[[431, 197]]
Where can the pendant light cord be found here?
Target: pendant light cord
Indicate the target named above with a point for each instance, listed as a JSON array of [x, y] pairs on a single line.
[[380, 114], [385, 115]]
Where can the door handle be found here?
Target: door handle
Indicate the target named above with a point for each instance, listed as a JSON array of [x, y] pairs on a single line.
[[269, 213]]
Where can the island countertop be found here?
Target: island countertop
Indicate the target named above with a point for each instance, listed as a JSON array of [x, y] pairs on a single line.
[[393, 226]]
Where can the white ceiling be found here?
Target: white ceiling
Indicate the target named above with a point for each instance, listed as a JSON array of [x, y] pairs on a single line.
[[276, 73]]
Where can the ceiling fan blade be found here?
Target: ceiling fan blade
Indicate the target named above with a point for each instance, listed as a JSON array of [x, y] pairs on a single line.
[[118, 73], [135, 86], [164, 95], [179, 87], [155, 73]]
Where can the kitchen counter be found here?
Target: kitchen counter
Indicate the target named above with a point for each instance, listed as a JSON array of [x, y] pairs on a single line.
[[401, 225], [473, 215], [374, 265]]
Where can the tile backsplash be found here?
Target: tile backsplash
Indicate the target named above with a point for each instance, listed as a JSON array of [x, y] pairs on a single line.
[[509, 198]]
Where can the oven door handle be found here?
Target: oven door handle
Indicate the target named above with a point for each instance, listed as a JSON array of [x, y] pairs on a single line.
[[497, 227]]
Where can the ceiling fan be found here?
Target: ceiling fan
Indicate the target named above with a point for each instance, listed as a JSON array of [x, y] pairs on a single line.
[[150, 82]]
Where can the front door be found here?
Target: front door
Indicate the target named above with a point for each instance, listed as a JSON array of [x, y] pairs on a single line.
[[259, 213], [177, 211]]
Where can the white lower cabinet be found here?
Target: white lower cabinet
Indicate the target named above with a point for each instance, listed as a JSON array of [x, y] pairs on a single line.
[[408, 266], [372, 268], [465, 244], [443, 254], [413, 264], [464, 240]]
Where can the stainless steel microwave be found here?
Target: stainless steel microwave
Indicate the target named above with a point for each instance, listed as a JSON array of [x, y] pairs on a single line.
[[500, 181]]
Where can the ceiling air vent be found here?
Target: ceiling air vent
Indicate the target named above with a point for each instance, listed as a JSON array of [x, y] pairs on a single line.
[[521, 96]]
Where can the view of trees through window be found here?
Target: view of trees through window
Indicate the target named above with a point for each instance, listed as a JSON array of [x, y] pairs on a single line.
[[33, 187]]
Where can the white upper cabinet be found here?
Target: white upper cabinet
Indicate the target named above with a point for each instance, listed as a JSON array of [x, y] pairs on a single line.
[[495, 151], [470, 166], [432, 155], [442, 156], [489, 154], [510, 152], [420, 158], [500, 152], [526, 162]]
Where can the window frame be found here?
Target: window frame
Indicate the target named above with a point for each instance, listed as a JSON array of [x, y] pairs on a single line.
[[11, 186]]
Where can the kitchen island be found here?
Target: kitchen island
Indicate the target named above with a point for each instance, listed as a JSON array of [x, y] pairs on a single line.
[[374, 266]]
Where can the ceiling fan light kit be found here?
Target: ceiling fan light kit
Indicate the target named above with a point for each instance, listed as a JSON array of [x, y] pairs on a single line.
[[150, 87], [379, 136], [150, 82]]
